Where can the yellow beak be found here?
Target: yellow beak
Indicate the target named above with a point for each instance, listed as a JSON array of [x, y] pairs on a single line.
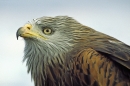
[[26, 32]]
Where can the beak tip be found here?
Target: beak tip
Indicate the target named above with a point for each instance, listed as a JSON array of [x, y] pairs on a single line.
[[18, 33], [17, 37]]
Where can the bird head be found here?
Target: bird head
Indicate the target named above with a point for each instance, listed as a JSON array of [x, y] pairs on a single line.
[[50, 37]]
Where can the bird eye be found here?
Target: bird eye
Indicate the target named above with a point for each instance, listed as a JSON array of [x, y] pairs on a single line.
[[47, 31]]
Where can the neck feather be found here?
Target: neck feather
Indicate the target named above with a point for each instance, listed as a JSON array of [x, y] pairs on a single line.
[[40, 57]]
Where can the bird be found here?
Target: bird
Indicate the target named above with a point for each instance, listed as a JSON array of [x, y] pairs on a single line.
[[60, 51]]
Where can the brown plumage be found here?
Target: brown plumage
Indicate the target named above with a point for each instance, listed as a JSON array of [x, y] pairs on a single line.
[[62, 52]]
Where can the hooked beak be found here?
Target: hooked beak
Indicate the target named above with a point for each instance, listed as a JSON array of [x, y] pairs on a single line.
[[26, 32]]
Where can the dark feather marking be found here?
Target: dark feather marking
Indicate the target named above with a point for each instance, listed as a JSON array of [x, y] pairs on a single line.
[[60, 58], [102, 57], [114, 84], [77, 81], [82, 60], [101, 67], [60, 72], [53, 64], [78, 67], [81, 70], [91, 54], [122, 55], [60, 65], [57, 59], [88, 69], [108, 82], [95, 83], [87, 79], [105, 70], [52, 72]]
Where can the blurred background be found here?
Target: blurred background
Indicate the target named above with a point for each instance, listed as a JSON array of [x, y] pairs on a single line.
[[108, 16]]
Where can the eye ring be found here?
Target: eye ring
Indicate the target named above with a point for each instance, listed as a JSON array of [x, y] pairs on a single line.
[[47, 31]]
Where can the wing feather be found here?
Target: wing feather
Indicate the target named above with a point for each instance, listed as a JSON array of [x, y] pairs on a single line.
[[107, 45], [113, 48]]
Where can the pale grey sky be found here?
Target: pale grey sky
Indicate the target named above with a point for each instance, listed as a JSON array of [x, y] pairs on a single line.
[[109, 16]]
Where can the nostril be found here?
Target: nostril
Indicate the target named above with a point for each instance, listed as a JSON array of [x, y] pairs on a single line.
[[28, 28]]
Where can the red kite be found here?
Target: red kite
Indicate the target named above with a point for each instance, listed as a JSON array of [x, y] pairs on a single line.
[[62, 52]]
